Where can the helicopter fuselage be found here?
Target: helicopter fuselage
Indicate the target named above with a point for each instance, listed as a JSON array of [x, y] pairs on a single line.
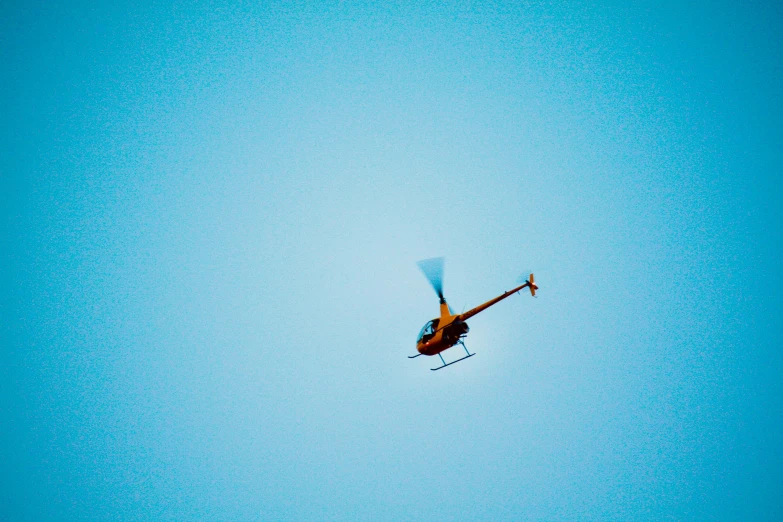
[[447, 330], [441, 334]]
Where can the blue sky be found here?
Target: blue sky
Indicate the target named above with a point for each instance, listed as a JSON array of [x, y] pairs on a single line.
[[211, 221]]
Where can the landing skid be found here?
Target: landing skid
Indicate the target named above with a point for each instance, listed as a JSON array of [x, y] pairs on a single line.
[[454, 362], [413, 356]]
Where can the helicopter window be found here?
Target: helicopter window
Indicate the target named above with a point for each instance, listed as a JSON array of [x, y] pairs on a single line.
[[428, 331]]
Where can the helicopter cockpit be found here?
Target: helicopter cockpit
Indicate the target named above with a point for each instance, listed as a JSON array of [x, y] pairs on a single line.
[[428, 331]]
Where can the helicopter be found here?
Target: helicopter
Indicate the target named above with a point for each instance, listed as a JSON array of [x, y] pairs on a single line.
[[450, 329]]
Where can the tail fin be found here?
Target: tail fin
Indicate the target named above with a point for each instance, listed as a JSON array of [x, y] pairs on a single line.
[[532, 285]]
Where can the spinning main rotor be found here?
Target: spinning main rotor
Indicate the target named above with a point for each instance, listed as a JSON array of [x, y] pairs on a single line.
[[433, 271]]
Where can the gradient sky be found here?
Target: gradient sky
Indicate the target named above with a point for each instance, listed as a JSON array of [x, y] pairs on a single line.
[[212, 215]]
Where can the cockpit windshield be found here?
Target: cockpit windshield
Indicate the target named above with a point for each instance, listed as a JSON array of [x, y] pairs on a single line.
[[428, 331]]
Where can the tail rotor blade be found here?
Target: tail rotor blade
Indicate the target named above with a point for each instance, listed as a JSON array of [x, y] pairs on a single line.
[[530, 280], [433, 271]]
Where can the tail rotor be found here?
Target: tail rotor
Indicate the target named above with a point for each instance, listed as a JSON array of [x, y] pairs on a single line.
[[530, 282]]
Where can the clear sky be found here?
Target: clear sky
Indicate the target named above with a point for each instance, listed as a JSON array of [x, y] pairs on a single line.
[[211, 217]]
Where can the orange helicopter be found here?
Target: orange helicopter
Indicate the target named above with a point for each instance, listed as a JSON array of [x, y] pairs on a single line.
[[450, 329]]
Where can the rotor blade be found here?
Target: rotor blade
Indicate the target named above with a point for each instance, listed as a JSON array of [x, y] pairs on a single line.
[[524, 277], [433, 270]]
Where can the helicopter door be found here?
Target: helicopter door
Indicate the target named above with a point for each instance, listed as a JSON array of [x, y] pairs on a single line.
[[428, 332]]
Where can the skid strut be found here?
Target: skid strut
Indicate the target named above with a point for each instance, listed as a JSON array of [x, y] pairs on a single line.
[[454, 362]]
